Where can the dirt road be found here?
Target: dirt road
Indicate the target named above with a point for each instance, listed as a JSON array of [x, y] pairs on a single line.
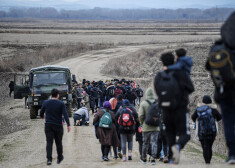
[[27, 148]]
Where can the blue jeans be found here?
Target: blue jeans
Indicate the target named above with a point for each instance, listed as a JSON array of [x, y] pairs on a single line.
[[101, 101], [78, 117], [124, 139], [228, 115]]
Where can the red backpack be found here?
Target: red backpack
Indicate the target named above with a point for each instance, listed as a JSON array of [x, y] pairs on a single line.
[[126, 119]]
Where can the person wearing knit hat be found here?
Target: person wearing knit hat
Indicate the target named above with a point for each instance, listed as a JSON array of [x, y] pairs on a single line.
[[107, 137], [208, 110]]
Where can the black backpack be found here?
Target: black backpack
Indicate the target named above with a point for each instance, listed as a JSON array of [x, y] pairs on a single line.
[[111, 91], [168, 91], [153, 115], [222, 62], [206, 121], [140, 93]]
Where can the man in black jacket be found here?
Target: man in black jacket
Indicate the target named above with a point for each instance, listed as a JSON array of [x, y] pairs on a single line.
[[11, 86], [225, 93], [176, 121], [54, 109]]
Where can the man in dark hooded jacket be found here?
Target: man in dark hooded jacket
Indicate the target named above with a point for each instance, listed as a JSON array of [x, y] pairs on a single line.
[[11, 86], [226, 96]]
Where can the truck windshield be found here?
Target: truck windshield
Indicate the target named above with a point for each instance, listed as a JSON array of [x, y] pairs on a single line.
[[55, 78]]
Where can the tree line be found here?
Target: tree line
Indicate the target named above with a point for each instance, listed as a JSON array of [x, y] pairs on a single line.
[[216, 14]]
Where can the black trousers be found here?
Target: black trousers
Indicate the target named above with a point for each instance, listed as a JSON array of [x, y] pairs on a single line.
[[177, 124], [162, 143], [54, 132], [105, 150], [140, 147], [10, 92], [79, 103], [207, 149]]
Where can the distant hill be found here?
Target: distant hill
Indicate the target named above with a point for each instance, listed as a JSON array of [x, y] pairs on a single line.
[[120, 4], [214, 14]]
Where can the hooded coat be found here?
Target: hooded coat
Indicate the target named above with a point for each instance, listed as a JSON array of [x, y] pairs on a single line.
[[184, 63], [106, 136], [143, 110]]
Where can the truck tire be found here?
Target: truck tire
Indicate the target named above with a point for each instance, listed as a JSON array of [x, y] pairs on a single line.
[[33, 112], [69, 109]]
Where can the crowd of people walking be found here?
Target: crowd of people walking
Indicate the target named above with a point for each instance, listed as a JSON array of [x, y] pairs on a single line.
[[159, 118]]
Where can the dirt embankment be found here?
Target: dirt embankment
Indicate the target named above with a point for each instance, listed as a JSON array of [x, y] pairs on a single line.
[[145, 63]]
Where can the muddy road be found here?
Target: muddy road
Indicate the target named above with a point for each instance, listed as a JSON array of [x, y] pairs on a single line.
[[27, 147]]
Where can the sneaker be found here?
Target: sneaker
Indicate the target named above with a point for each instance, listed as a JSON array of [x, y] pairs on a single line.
[[129, 156], [161, 159], [49, 162], [171, 162], [231, 160], [153, 162], [124, 159], [176, 153], [115, 157], [59, 160], [165, 159], [144, 161], [119, 155], [106, 158]]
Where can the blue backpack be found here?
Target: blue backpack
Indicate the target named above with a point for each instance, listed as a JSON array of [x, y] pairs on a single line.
[[206, 121]]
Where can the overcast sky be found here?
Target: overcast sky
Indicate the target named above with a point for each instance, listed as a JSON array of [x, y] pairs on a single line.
[[121, 3]]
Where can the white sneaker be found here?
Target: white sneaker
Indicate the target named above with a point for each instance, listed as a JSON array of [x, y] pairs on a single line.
[[176, 153]]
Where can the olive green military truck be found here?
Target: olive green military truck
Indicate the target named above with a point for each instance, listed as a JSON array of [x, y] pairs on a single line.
[[37, 85]]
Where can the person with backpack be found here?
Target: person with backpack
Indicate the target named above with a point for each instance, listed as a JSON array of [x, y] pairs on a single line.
[[130, 96], [173, 88], [102, 94], [110, 92], [95, 95], [150, 130], [126, 117], [183, 62], [206, 116], [106, 130], [118, 90], [139, 93], [221, 64]]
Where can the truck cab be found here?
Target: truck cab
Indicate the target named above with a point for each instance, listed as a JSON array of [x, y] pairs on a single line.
[[37, 86]]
